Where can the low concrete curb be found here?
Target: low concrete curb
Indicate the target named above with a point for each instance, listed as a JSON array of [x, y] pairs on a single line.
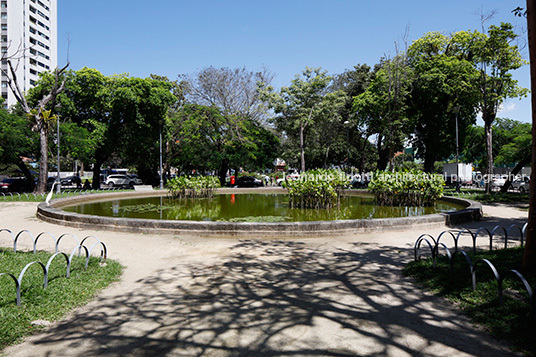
[[54, 214]]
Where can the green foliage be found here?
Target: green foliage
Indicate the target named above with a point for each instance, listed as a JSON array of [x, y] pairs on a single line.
[[406, 188], [193, 186], [50, 304], [317, 189], [510, 320]]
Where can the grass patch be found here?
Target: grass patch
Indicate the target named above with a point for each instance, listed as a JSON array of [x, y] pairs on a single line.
[[494, 197], [31, 197], [511, 320], [50, 304]]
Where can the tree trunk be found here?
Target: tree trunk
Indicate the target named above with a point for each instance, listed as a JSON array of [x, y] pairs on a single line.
[[222, 174], [429, 161], [96, 174], [514, 172], [529, 255], [489, 152], [302, 151], [43, 166], [326, 157]]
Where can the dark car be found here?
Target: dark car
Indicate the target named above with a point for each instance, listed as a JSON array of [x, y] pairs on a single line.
[[248, 181], [13, 184], [71, 181]]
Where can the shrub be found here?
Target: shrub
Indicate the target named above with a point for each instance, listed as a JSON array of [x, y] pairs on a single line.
[[193, 186], [317, 189], [406, 188]]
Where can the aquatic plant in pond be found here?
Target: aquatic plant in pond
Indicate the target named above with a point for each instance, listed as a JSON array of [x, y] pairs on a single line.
[[193, 186], [317, 189], [406, 188]]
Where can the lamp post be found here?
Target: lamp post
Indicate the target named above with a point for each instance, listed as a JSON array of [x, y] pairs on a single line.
[[456, 111], [347, 125], [58, 186], [161, 178]]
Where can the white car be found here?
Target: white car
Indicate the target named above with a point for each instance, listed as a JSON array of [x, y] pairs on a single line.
[[498, 181], [117, 180], [136, 179]]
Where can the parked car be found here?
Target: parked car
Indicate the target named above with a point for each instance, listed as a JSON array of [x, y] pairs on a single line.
[[519, 181], [498, 181], [50, 182], [248, 181], [136, 179], [525, 187], [71, 181], [118, 180], [13, 184]]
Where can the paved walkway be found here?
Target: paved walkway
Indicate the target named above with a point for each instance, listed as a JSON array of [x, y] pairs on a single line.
[[188, 296]]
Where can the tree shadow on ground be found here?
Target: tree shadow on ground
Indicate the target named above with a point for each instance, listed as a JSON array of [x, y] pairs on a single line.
[[275, 298]]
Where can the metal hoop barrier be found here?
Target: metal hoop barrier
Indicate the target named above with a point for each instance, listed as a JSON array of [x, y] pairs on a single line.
[[434, 248], [46, 267]]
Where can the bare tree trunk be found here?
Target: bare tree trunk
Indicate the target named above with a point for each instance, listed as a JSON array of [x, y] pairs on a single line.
[[43, 167], [489, 152], [529, 255], [302, 151]]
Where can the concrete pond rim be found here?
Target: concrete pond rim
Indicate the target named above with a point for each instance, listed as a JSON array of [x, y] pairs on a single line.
[[55, 214]]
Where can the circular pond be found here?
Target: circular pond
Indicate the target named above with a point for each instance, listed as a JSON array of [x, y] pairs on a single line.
[[250, 207], [234, 212]]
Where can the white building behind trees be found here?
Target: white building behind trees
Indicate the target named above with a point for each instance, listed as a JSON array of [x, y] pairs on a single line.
[[29, 40]]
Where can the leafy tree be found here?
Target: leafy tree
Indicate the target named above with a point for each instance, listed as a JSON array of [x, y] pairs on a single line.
[[16, 141], [496, 58], [443, 98], [302, 105], [382, 108]]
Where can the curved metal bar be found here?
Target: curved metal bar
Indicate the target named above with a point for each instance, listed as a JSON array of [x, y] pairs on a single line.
[[526, 284], [50, 262], [78, 248], [103, 250], [521, 233], [417, 245], [505, 235], [467, 259], [64, 235], [45, 273], [495, 273], [17, 287], [525, 226], [12, 236], [37, 238], [17, 238], [447, 250], [457, 239], [476, 236], [449, 232]]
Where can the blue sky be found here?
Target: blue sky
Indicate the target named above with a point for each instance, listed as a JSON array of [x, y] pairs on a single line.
[[172, 37]]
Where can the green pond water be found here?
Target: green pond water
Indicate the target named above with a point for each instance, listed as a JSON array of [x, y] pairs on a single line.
[[249, 207]]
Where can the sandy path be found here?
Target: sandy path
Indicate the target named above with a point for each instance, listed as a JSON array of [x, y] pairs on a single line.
[[188, 296]]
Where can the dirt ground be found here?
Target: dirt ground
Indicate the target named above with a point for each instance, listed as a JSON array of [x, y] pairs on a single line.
[[195, 296]]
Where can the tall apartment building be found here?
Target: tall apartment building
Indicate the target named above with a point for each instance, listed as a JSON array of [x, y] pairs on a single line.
[[29, 37]]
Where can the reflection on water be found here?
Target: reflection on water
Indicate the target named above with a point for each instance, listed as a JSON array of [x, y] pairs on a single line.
[[233, 206]]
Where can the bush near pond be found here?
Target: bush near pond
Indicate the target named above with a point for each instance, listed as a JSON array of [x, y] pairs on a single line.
[[193, 186], [317, 189], [406, 188]]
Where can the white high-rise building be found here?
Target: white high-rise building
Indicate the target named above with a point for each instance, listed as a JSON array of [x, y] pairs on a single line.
[[29, 39]]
